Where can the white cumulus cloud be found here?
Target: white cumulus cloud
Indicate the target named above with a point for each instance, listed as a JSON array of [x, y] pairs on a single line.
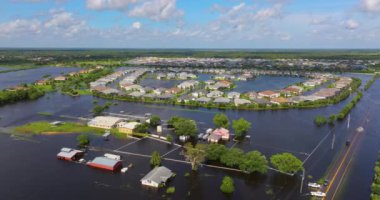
[[20, 27], [351, 24], [65, 23], [109, 4], [157, 10], [371, 5], [136, 25]]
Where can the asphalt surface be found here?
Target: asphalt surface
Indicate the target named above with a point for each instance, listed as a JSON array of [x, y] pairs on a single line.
[[341, 167]]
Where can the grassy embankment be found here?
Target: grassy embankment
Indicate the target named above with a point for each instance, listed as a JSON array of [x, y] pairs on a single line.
[[46, 128], [375, 187]]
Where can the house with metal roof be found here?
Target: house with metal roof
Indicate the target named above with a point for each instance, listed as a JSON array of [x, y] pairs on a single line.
[[157, 177], [70, 154], [105, 163]]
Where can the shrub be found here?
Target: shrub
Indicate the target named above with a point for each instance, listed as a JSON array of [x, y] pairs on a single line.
[[227, 185], [170, 190]]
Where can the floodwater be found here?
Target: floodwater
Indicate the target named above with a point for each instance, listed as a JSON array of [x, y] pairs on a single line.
[[3, 68], [29, 76], [31, 171]]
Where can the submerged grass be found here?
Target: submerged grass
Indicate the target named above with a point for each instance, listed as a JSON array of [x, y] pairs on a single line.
[[45, 113], [44, 127]]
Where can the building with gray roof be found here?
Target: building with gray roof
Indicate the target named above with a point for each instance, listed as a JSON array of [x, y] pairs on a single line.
[[156, 177]]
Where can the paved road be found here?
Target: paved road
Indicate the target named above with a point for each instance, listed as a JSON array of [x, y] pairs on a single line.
[[341, 167]]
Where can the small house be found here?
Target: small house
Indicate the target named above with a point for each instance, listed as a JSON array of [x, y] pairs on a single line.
[[269, 94], [70, 154], [222, 132], [60, 78], [157, 177], [127, 127], [214, 138]]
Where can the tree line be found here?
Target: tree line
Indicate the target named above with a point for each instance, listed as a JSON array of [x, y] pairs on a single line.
[[28, 92]]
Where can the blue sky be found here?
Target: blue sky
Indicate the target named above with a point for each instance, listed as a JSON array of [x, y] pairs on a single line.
[[190, 23]]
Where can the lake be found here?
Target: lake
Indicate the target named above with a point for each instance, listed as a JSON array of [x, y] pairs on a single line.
[[31, 75]]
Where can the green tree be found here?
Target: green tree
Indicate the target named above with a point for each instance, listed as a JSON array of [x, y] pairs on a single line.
[[221, 120], [232, 157], [141, 128], [286, 162], [155, 159], [155, 120], [320, 120], [98, 110], [215, 151], [254, 161], [332, 119], [83, 140], [173, 120], [185, 127], [241, 127], [195, 154], [227, 185], [169, 138]]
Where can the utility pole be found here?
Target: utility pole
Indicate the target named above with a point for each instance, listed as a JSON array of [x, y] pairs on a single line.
[[333, 141], [303, 177]]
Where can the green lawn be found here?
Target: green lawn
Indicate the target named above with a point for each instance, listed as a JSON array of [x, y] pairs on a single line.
[[45, 127]]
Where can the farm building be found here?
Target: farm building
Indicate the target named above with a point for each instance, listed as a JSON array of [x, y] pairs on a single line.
[[105, 122], [70, 154], [105, 163], [156, 177]]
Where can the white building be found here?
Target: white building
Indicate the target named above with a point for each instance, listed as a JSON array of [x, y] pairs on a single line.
[[105, 122], [156, 177]]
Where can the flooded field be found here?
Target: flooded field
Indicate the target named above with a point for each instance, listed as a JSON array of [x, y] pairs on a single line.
[[30, 164]]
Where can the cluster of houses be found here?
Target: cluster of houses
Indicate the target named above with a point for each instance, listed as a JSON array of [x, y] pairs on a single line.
[[214, 90], [129, 83], [65, 77], [324, 93], [179, 76], [111, 162], [100, 85], [296, 64]]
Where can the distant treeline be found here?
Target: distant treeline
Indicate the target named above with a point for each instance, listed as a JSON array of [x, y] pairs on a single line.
[[20, 56]]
